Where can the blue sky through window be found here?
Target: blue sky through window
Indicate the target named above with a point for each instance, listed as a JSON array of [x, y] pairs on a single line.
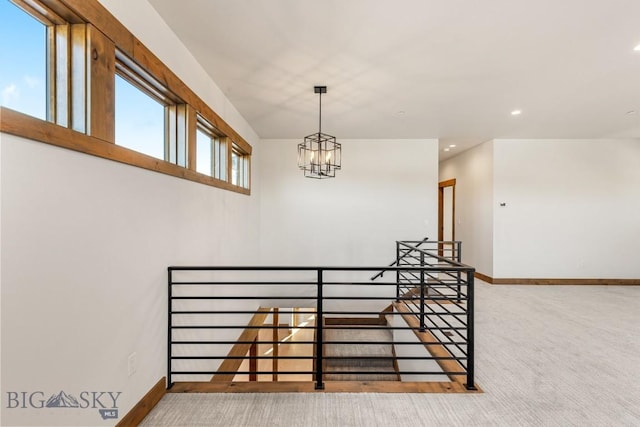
[[23, 75], [139, 120]]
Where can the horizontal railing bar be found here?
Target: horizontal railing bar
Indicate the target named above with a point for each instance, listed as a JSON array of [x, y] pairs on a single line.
[[369, 327], [247, 282], [389, 298], [280, 311], [439, 284], [455, 267], [238, 297], [314, 342], [449, 373], [241, 372], [314, 357], [394, 313]]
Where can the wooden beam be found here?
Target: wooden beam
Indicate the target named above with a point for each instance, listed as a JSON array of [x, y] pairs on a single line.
[[330, 387], [101, 92], [240, 349], [436, 350], [253, 363], [447, 183], [25, 126], [355, 320], [93, 12], [558, 282]]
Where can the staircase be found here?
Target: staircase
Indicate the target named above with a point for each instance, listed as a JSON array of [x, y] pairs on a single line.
[[366, 355], [422, 341]]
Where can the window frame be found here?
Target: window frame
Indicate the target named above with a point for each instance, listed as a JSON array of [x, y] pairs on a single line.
[[87, 47], [244, 166], [219, 156]]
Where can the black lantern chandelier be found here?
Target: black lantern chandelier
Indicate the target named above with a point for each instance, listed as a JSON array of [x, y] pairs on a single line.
[[319, 156]]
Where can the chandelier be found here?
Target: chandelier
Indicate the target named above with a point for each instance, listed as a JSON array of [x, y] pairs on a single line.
[[319, 156]]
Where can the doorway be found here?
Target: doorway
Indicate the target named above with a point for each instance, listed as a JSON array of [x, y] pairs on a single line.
[[446, 217]]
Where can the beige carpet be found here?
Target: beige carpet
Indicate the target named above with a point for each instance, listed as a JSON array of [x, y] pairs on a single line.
[[546, 356]]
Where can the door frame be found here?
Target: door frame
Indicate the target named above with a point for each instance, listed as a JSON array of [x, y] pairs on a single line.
[[441, 186]]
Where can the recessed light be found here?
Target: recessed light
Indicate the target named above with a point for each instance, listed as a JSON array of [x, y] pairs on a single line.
[[637, 48], [446, 149], [516, 112], [452, 146]]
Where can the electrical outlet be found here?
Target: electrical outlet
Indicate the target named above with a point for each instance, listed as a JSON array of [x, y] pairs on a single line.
[[132, 363]]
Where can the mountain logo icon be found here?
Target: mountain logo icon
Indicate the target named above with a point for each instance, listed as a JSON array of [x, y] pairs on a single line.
[[62, 400]]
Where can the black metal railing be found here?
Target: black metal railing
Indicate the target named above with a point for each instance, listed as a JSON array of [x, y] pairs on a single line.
[[224, 323]]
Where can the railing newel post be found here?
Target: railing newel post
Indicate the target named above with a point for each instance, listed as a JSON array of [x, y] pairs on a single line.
[[169, 324], [459, 274], [422, 285], [319, 333], [397, 271], [470, 385]]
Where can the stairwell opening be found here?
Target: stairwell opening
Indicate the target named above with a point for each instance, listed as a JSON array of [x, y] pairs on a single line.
[[325, 328]]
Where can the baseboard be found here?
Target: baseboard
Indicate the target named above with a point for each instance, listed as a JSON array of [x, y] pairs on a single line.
[[145, 405], [329, 387], [483, 277], [521, 281]]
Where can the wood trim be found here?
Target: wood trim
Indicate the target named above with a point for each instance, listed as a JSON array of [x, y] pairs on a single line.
[[253, 363], [101, 85], [483, 277], [107, 39], [440, 218], [447, 183], [23, 125], [128, 44], [415, 291], [587, 282], [395, 363], [355, 321], [453, 216], [441, 186], [145, 405], [329, 387], [49, 12], [436, 350], [558, 282], [241, 349]]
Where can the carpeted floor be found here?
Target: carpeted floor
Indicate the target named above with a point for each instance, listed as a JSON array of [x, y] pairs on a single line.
[[546, 356]]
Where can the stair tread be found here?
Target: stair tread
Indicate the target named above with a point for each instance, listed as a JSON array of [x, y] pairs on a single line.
[[382, 348]]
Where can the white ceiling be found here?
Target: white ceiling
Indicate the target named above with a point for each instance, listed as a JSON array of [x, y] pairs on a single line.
[[448, 69]]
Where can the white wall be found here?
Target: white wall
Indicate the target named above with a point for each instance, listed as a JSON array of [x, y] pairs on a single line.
[[572, 209], [85, 246], [473, 171], [386, 191], [417, 349]]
